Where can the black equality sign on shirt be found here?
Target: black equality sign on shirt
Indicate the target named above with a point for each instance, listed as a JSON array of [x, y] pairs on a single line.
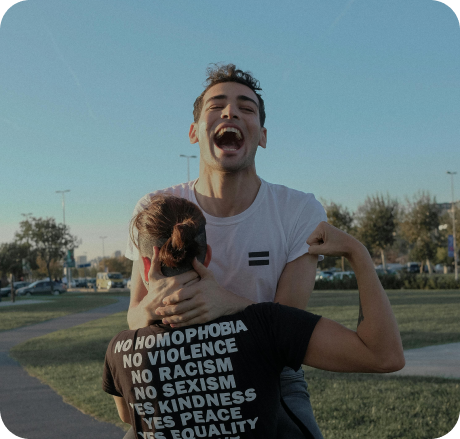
[[183, 384], [255, 258]]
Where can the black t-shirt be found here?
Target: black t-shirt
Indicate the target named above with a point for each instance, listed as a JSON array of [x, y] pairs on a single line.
[[218, 380]]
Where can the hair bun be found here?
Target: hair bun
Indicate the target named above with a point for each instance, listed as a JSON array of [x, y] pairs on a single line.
[[180, 245]]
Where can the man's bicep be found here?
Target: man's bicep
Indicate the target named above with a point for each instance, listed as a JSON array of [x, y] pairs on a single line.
[[297, 281], [138, 290], [336, 348]]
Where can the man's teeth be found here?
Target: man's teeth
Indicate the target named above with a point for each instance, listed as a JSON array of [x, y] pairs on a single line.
[[230, 130], [228, 148]]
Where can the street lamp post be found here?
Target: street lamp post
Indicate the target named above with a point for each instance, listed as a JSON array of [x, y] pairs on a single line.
[[188, 157], [103, 250], [63, 202], [68, 271], [453, 223]]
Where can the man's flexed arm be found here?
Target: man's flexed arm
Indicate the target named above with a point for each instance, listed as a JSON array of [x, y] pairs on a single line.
[[376, 344]]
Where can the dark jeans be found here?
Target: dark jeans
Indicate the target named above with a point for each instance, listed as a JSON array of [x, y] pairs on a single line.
[[295, 395], [294, 391]]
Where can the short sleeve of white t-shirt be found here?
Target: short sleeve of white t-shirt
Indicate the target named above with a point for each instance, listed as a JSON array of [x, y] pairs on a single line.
[[251, 249]]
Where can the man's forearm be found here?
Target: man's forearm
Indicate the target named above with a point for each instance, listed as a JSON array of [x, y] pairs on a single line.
[[142, 314], [377, 326]]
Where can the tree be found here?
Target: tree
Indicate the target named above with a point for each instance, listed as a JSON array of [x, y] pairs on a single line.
[[48, 240], [11, 258], [117, 265], [420, 227], [377, 221], [341, 218]]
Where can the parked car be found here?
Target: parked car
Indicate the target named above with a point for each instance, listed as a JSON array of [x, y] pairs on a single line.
[[6, 291], [343, 275], [324, 275], [109, 280], [42, 287], [382, 271], [81, 283], [90, 282]]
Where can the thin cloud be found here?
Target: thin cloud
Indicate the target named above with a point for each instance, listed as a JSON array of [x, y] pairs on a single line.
[[339, 17], [72, 73]]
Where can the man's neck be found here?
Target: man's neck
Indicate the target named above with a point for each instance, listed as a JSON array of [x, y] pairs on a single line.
[[224, 194]]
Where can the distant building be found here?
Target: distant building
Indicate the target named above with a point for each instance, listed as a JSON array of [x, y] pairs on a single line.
[[80, 260], [117, 254], [444, 207]]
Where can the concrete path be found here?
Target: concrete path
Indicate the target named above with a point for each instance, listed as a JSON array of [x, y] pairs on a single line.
[[19, 302], [438, 361], [31, 409]]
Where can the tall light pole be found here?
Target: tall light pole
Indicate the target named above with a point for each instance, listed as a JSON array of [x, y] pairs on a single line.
[[103, 250], [68, 271], [453, 223], [63, 202], [188, 164]]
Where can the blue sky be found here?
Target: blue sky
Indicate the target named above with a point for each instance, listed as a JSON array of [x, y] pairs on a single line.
[[362, 97]]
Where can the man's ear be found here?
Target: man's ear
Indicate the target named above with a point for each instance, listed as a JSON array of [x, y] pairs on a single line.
[[208, 257], [147, 263], [193, 133], [263, 137]]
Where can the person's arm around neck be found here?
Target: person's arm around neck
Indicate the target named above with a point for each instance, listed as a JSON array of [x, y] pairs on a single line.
[[376, 344], [141, 309], [189, 298]]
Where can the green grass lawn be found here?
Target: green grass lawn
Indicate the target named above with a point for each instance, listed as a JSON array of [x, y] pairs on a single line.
[[346, 405], [425, 317], [51, 307]]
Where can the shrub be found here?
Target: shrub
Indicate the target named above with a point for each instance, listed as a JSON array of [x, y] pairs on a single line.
[[401, 280]]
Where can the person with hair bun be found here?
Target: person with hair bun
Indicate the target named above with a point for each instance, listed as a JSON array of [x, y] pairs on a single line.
[[221, 378]]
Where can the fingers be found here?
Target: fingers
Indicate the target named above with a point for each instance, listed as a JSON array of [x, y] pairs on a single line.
[[317, 236], [196, 315], [316, 249], [200, 269], [155, 267], [179, 296]]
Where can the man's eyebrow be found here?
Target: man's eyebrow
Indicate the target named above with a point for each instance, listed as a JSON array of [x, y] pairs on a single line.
[[240, 98]]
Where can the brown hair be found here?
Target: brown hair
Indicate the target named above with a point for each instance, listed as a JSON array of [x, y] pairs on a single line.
[[229, 73], [177, 226]]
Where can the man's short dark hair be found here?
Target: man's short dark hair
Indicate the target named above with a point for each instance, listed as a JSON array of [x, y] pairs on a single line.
[[217, 74]]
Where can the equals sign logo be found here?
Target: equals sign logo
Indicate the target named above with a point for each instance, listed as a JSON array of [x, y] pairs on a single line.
[[258, 261]]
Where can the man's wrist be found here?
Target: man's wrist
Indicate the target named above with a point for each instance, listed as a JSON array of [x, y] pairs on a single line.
[[358, 254], [238, 304]]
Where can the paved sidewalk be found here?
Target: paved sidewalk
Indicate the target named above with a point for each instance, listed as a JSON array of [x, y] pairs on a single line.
[[31, 409], [20, 302], [438, 361]]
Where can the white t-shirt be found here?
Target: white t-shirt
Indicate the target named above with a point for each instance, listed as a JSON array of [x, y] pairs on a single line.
[[251, 249]]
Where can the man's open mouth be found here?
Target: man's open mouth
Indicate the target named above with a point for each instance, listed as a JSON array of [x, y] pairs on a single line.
[[229, 139]]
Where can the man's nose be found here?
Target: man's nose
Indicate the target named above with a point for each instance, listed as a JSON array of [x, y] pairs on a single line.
[[230, 112]]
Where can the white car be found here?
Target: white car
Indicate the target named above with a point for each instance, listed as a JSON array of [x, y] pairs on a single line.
[[343, 275], [324, 275]]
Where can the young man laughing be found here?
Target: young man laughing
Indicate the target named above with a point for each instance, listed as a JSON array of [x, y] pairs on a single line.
[[258, 231]]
